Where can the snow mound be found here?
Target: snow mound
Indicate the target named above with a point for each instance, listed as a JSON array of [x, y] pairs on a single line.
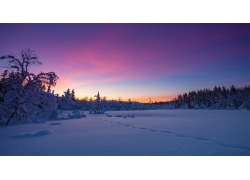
[[37, 134], [55, 123], [42, 133], [76, 115]]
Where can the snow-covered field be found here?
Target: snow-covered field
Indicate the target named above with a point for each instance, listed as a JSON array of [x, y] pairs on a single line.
[[149, 133]]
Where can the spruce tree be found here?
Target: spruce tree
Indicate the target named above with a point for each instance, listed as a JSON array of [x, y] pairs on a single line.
[[73, 95]]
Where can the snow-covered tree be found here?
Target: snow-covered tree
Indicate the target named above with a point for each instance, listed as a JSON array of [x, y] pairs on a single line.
[[97, 105], [24, 95], [218, 98], [65, 102]]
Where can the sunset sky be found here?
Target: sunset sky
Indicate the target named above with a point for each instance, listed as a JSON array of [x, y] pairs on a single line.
[[135, 61]]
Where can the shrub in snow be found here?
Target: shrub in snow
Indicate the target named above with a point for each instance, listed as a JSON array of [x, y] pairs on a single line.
[[83, 115], [76, 114], [107, 115], [118, 116]]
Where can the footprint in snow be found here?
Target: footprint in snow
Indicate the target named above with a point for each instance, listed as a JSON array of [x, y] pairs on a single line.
[[185, 136]]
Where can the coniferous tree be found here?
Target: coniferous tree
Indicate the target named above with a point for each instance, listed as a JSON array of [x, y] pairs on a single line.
[[73, 97], [218, 98]]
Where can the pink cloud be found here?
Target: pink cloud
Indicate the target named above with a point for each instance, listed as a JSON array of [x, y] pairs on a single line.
[[107, 56], [121, 52]]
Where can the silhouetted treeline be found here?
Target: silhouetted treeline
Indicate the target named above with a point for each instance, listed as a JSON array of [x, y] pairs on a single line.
[[218, 98]]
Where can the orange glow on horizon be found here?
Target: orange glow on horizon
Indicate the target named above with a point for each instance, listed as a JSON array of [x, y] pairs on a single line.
[[163, 98]]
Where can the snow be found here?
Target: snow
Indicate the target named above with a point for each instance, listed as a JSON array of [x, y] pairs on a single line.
[[141, 133]]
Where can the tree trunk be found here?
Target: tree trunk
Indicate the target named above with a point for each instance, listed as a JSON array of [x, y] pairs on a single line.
[[8, 121]]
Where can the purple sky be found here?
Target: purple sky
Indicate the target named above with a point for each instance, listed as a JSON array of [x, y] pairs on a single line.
[[135, 61]]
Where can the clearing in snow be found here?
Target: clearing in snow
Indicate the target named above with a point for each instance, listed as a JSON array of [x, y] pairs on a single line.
[[133, 133]]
